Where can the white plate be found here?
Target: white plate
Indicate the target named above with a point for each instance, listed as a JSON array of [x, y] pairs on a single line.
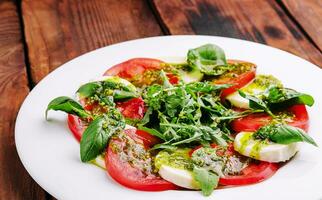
[[51, 154]]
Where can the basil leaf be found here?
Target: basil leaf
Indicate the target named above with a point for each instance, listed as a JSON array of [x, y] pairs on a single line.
[[121, 94], [94, 140], [67, 105], [288, 96], [283, 134], [96, 136], [115, 86], [256, 103], [210, 59], [89, 89], [206, 179]]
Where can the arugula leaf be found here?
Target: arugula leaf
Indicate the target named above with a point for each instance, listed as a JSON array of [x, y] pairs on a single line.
[[151, 131], [283, 134], [256, 103], [164, 146], [67, 105], [96, 136], [210, 59], [207, 180], [277, 95]]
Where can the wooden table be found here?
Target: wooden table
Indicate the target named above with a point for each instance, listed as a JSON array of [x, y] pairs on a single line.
[[37, 36]]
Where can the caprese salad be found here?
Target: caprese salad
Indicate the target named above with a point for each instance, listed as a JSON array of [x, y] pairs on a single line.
[[202, 124]]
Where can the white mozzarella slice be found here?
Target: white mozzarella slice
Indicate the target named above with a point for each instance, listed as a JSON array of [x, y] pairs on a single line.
[[180, 177], [238, 101], [270, 152]]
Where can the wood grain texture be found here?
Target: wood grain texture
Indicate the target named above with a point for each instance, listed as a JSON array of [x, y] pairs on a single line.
[[261, 21], [308, 14], [57, 31], [15, 183]]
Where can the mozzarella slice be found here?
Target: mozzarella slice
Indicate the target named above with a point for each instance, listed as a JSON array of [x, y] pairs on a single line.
[[180, 177], [238, 101], [270, 152], [256, 88], [99, 162]]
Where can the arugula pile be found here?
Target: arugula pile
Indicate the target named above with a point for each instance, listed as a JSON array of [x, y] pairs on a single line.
[[186, 113]]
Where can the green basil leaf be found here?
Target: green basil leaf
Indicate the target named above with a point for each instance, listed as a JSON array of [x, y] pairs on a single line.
[[206, 179], [94, 140], [89, 89], [113, 86], [96, 136], [283, 134], [256, 103], [210, 59], [288, 96], [67, 105]]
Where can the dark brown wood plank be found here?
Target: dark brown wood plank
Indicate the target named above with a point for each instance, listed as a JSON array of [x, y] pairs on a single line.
[[308, 14], [261, 21], [15, 183], [57, 31]]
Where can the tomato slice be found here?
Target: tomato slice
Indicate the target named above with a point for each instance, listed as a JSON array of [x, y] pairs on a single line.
[[133, 67], [255, 172], [128, 163], [238, 78], [140, 71], [133, 108], [254, 121], [76, 126]]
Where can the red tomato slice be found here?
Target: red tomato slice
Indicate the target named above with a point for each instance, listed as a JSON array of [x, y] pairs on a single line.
[[133, 108], [134, 67], [254, 121], [237, 78], [120, 165], [255, 172], [136, 71], [76, 126]]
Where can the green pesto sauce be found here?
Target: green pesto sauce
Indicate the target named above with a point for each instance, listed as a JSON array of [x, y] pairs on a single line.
[[133, 153], [244, 141], [260, 83], [255, 151], [257, 147], [179, 159], [283, 117], [235, 69]]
